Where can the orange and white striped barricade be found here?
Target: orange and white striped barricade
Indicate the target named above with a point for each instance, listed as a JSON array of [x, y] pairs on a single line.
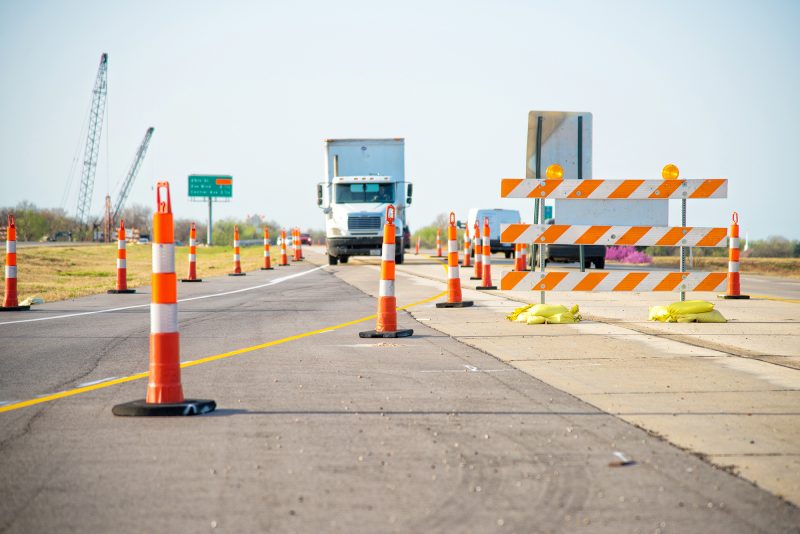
[[164, 389], [734, 291], [122, 262], [237, 259], [611, 281], [386, 319], [416, 250], [613, 189], [284, 260], [10, 300], [476, 245], [192, 256], [467, 248], [486, 257], [569, 234], [438, 242], [267, 260], [453, 276]]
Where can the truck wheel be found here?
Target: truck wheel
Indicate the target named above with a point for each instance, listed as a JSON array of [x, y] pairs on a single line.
[[508, 254], [344, 259], [587, 263], [599, 263], [332, 260], [398, 258]]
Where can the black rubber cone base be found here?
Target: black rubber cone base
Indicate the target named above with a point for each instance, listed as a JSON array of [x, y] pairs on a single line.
[[396, 333], [144, 409], [486, 288], [191, 279], [462, 304], [475, 278], [237, 274], [14, 308], [734, 297], [116, 291], [282, 265], [266, 268]]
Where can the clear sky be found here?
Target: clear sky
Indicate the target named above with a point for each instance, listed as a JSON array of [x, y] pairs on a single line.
[[251, 89]]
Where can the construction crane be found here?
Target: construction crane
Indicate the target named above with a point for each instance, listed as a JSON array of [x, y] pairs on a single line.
[[92, 148], [125, 189]]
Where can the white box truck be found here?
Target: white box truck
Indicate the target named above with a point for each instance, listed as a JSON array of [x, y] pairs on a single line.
[[497, 217], [363, 176]]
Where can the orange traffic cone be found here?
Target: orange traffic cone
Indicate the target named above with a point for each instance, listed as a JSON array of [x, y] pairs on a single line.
[[519, 260], [416, 250], [386, 323], [10, 302], [476, 240], [300, 256], [734, 291], [453, 277], [122, 259], [438, 243], [164, 390], [192, 256], [237, 260], [487, 258], [284, 261], [267, 266], [467, 248]]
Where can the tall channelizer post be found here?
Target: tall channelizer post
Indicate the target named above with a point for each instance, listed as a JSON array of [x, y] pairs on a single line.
[[92, 149]]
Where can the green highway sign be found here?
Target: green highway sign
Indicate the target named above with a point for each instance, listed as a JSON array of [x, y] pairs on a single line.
[[548, 212], [201, 185]]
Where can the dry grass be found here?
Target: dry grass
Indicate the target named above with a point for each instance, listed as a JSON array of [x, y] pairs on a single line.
[[785, 267], [58, 273]]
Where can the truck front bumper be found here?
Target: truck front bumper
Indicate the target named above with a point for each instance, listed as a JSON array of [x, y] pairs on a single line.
[[358, 246]]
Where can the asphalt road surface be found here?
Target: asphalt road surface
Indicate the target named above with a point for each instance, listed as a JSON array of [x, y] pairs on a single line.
[[319, 430]]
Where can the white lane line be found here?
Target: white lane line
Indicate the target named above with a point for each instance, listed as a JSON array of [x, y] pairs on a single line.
[[93, 382], [65, 316]]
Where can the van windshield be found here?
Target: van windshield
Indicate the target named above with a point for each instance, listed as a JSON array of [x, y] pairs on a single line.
[[364, 193]]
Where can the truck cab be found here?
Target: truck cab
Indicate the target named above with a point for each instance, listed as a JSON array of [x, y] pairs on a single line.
[[364, 176]]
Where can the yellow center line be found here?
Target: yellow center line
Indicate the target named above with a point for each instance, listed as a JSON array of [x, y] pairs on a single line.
[[139, 376], [779, 299]]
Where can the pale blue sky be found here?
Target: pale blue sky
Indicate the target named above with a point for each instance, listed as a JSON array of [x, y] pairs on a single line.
[[252, 88]]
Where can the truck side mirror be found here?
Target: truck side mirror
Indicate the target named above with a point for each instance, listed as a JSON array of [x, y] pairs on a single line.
[[409, 194], [460, 224], [319, 195]]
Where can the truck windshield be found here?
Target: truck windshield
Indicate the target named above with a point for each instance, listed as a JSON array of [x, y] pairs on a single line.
[[364, 193]]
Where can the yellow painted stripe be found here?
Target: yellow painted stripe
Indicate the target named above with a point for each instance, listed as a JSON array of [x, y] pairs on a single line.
[[139, 376], [779, 299]]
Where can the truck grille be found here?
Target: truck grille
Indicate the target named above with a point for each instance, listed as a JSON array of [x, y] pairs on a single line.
[[363, 223]]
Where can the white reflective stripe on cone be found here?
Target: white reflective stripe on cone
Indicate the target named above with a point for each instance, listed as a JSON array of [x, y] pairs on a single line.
[[11, 271], [734, 242], [192, 242], [452, 272], [193, 257], [121, 263], [163, 257], [236, 243], [121, 244], [163, 318], [266, 253], [386, 288], [733, 266], [11, 246], [266, 242], [236, 257], [452, 246], [388, 252]]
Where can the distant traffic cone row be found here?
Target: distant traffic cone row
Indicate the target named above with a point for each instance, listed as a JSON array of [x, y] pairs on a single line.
[[486, 280], [476, 240], [122, 262], [237, 259], [284, 261], [164, 389], [467, 248], [267, 265], [10, 301], [192, 256], [386, 321], [453, 276], [734, 290]]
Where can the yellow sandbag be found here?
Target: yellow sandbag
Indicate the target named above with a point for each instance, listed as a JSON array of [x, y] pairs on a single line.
[[513, 315], [574, 310], [689, 307], [546, 310], [659, 313], [713, 316], [522, 317], [536, 319], [562, 318]]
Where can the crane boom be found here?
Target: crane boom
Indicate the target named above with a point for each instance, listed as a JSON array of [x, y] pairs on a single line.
[[125, 189], [92, 148]]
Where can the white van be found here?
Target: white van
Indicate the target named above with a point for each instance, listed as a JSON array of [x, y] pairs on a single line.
[[496, 218]]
